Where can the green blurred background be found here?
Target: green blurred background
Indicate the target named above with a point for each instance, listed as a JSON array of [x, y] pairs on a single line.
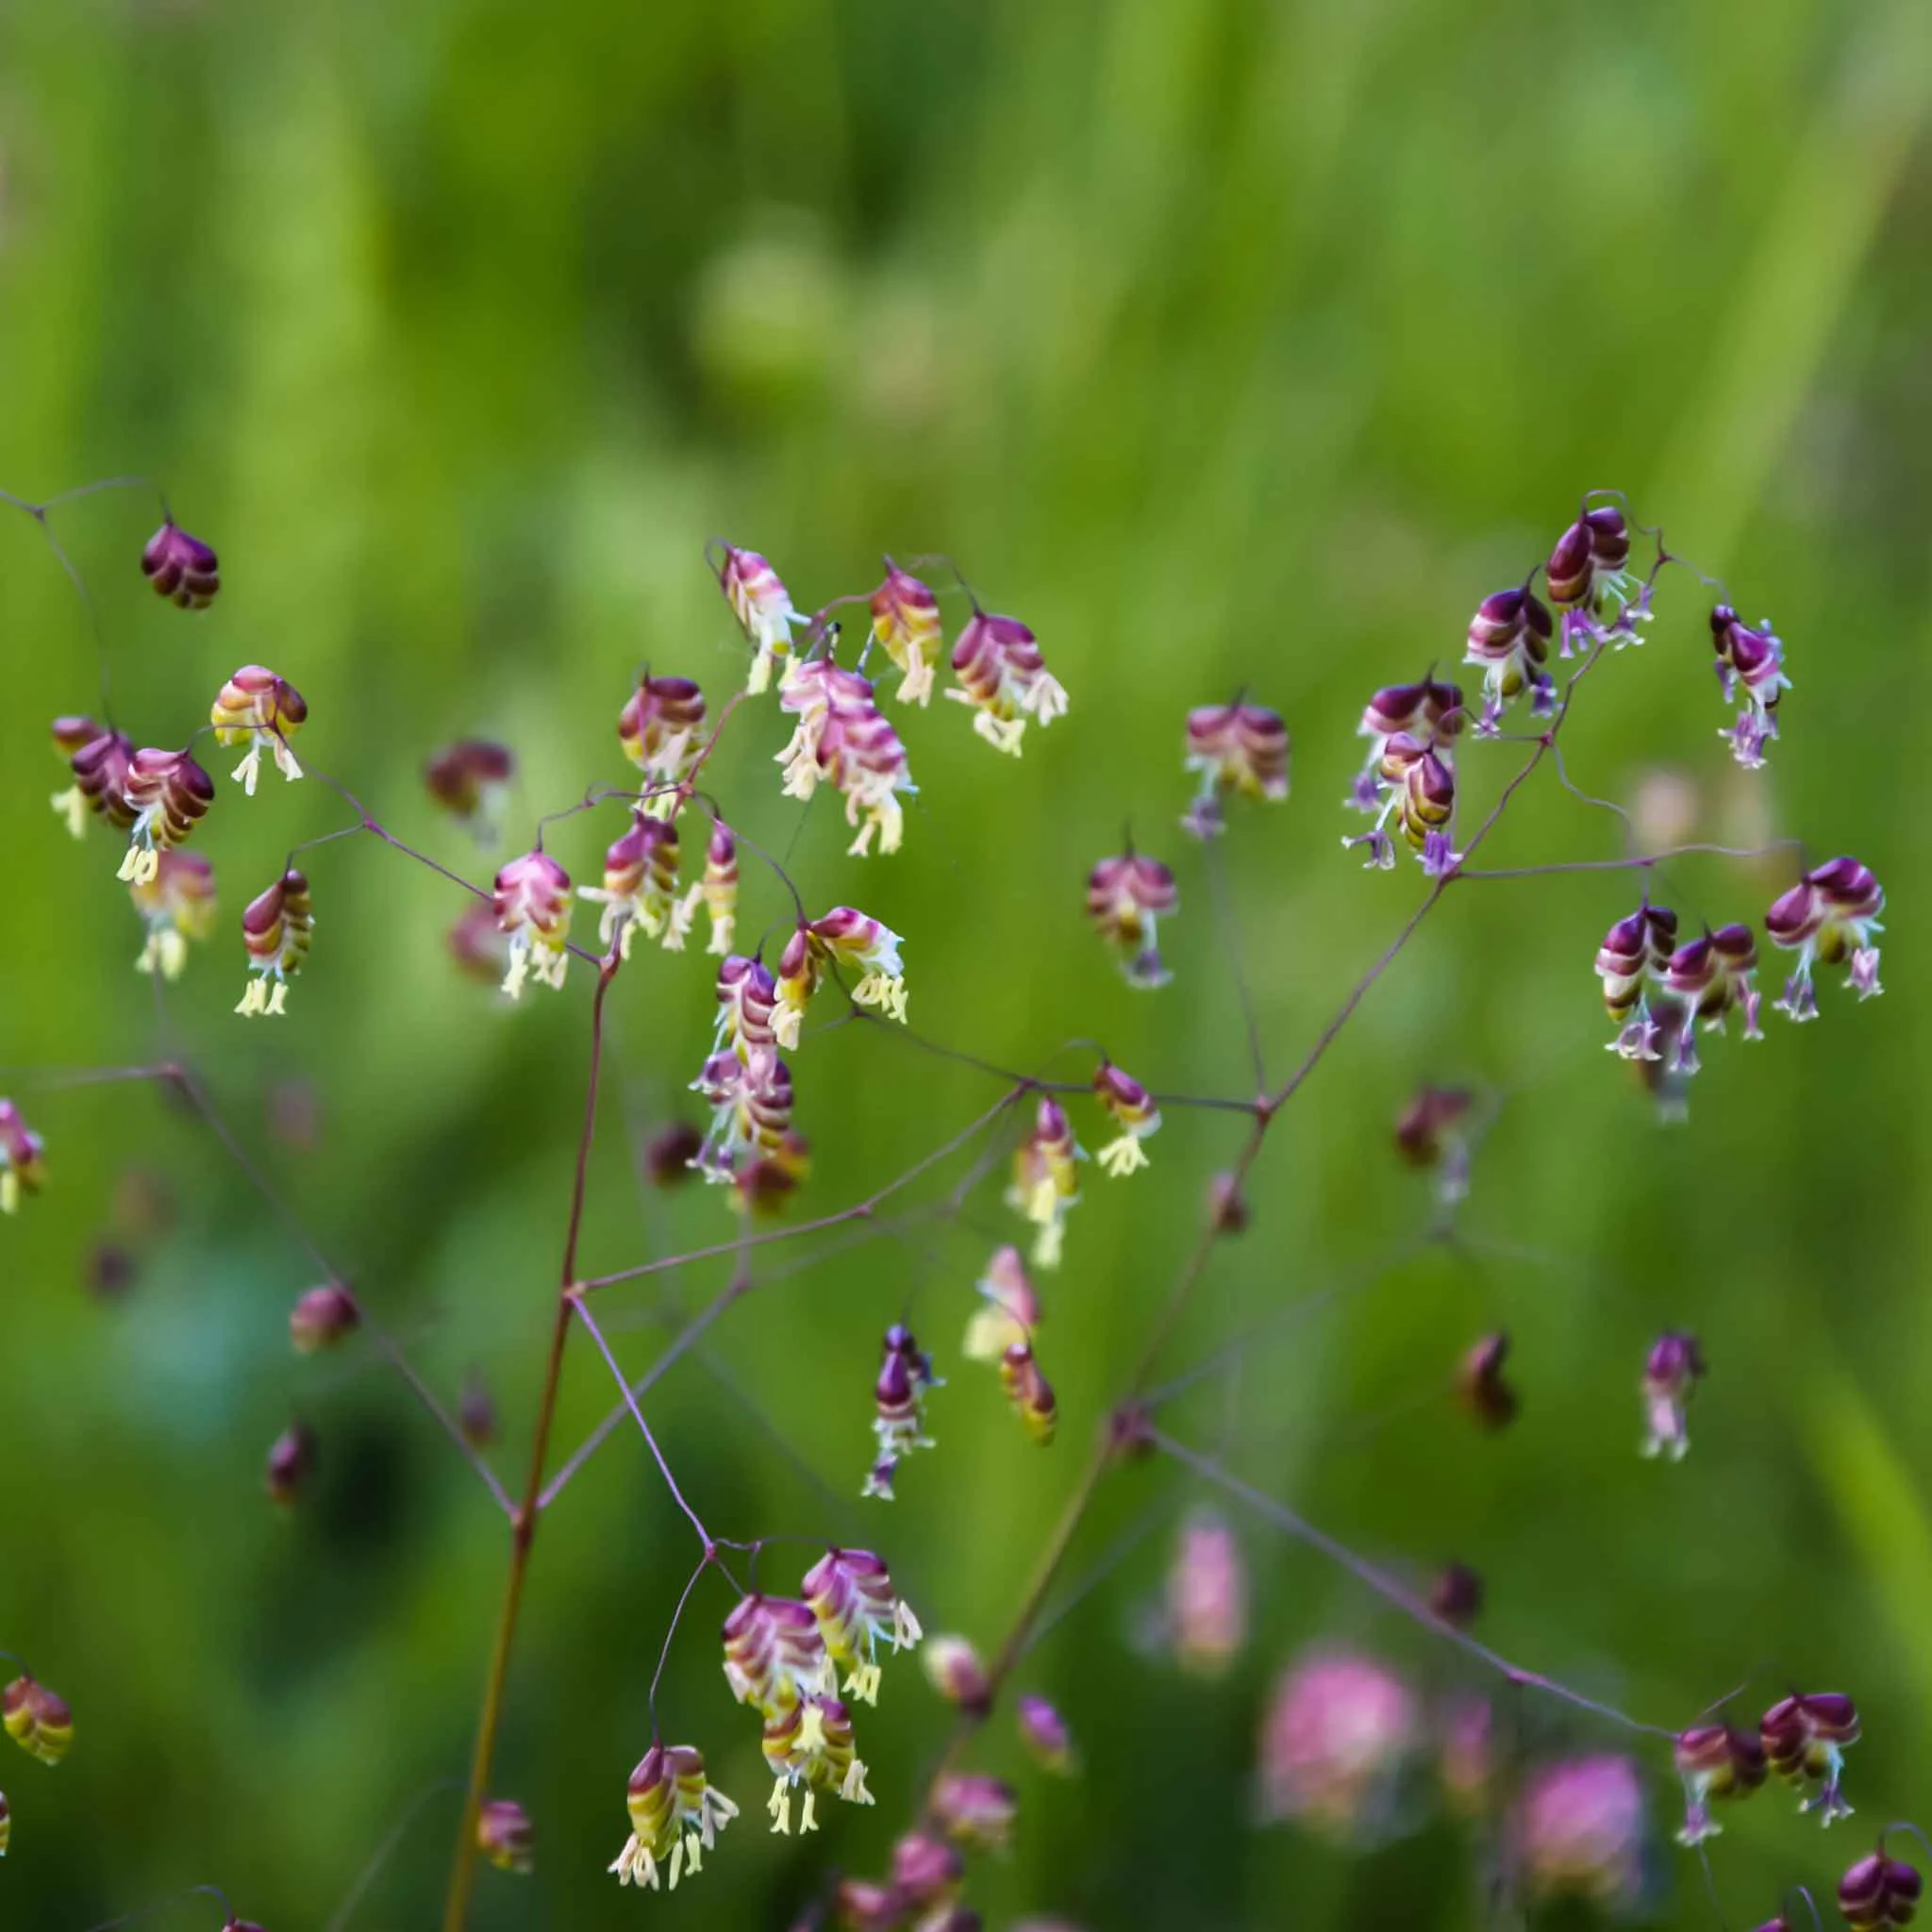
[[1223, 343]]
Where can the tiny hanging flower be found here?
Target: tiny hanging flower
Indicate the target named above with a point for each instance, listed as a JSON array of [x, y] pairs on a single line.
[[1456, 1595], [1420, 778], [506, 1836], [1044, 1733], [168, 794], [954, 1669], [977, 1812], [38, 1721], [5, 1825], [719, 888], [99, 760], [750, 1103], [899, 1395], [532, 902], [471, 780], [676, 1816], [846, 936], [1126, 898], [658, 729], [1479, 1382], [476, 1412], [181, 568], [927, 1875], [851, 1593], [477, 943], [763, 605], [1804, 1739], [1428, 1134], [1715, 1761], [1509, 637], [639, 887], [1003, 675], [763, 1184], [1878, 1893], [1235, 747], [290, 1463], [22, 1157], [1829, 915], [1577, 1830], [1030, 1392], [323, 1316], [811, 1745], [1671, 1371], [672, 1153], [1586, 570], [1430, 710], [1207, 1619], [263, 711], [177, 905], [775, 1654], [814, 689], [1339, 1732], [1633, 963], [1046, 1178], [905, 620], [1009, 1311], [747, 1008], [1410, 774], [277, 928], [1711, 975], [1228, 1205], [1133, 1112], [1750, 662], [862, 755], [843, 738], [801, 966]]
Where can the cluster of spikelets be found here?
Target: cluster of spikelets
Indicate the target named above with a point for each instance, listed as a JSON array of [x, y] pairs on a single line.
[[1662, 994], [782, 1657], [1410, 776], [520, 932]]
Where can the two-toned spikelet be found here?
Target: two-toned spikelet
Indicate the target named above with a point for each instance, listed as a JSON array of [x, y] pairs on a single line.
[[470, 780], [1004, 677], [639, 888], [1128, 896], [99, 760], [905, 620], [263, 710], [181, 568], [762, 605], [676, 1816], [1046, 1178], [905, 1378], [277, 928], [532, 900], [175, 906], [851, 1593], [658, 729], [1239, 748], [37, 1719], [166, 795]]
